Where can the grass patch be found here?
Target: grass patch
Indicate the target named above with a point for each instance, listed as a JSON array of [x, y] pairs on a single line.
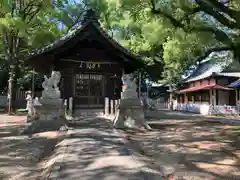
[[21, 110]]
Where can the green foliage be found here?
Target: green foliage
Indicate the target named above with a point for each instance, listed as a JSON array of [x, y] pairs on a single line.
[[173, 33], [24, 26], [170, 35]]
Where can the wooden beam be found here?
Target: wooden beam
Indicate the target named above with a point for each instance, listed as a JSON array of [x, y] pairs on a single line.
[[94, 62]]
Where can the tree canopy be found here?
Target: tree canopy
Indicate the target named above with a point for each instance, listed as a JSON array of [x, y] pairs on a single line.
[[24, 25], [174, 33], [170, 35]]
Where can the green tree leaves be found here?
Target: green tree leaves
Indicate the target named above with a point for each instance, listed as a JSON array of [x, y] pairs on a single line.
[[177, 33]]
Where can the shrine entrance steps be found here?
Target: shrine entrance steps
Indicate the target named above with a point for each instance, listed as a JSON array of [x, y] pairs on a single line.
[[85, 113]]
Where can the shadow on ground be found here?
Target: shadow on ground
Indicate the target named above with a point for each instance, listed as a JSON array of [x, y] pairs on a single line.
[[20, 155], [194, 147], [94, 151], [165, 114]]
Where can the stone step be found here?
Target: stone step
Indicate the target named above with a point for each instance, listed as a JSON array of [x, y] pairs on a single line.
[[88, 113]]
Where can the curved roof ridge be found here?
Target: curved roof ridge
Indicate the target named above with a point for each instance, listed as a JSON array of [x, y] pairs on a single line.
[[207, 68], [86, 21]]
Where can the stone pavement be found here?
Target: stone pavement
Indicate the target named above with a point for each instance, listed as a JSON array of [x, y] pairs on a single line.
[[94, 150]]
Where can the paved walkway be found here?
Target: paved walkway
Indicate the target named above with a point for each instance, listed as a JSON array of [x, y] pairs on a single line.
[[95, 151]]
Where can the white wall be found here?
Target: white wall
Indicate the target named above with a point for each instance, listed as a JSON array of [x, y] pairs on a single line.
[[205, 109]]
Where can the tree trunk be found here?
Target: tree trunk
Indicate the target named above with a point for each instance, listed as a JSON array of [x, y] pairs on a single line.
[[14, 75]]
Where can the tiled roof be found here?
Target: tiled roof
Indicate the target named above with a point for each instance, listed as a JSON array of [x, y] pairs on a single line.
[[217, 67], [229, 74], [204, 87], [56, 43], [235, 84], [86, 21], [205, 69]]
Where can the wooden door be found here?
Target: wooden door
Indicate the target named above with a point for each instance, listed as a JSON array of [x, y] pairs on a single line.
[[89, 90], [232, 98]]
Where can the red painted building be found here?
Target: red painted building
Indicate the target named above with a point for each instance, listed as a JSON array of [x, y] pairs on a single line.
[[209, 85]]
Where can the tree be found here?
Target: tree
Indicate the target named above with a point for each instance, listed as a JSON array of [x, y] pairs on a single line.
[[220, 18], [198, 28], [174, 33], [24, 25]]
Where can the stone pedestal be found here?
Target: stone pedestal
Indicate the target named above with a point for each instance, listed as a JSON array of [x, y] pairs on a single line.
[[49, 109], [131, 115]]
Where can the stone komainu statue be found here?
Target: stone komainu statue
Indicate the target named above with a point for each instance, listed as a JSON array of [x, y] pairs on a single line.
[[50, 85], [131, 86]]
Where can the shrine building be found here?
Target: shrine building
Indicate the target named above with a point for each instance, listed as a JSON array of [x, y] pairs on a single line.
[[91, 64]]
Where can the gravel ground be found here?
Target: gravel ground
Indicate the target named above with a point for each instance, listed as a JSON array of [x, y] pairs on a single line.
[[189, 146], [20, 156]]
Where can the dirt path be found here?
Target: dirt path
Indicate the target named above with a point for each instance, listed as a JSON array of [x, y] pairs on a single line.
[[191, 146]]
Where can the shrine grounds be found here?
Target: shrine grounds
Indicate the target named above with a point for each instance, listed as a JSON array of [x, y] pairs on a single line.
[[23, 157], [193, 147], [198, 147]]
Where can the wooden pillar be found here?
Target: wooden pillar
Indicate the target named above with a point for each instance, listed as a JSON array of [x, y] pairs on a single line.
[[193, 99], [185, 98], [214, 97], [210, 97]]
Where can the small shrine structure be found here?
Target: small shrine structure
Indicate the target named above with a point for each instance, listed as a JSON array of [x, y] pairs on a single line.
[[91, 64]]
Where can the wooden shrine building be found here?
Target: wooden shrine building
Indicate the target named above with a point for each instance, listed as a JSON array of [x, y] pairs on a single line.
[[90, 61]]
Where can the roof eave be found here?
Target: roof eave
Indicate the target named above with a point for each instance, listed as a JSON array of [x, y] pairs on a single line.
[[58, 43]]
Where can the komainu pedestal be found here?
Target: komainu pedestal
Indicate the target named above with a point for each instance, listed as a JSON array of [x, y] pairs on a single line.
[[50, 106], [131, 114], [49, 109]]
